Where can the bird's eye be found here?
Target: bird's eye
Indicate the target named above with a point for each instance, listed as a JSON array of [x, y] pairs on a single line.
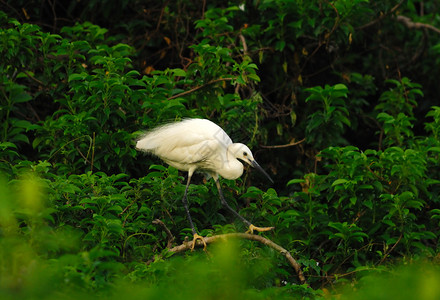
[[245, 153]]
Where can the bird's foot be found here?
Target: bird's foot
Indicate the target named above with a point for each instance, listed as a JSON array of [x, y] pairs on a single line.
[[198, 237], [259, 229]]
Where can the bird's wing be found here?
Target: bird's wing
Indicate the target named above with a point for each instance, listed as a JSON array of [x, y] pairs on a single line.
[[193, 141], [206, 154]]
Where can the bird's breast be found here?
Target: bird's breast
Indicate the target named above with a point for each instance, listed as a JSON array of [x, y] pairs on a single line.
[[231, 170]]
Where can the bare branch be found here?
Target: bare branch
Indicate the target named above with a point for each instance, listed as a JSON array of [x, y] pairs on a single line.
[[243, 42], [416, 25], [382, 16], [168, 232], [199, 87], [292, 143], [392, 248], [188, 245]]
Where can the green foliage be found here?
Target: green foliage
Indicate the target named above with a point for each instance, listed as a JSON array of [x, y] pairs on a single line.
[[92, 232], [415, 279], [396, 111], [99, 94], [78, 203], [332, 115], [384, 194]]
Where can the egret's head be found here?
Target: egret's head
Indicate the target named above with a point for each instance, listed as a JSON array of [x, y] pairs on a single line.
[[243, 153]]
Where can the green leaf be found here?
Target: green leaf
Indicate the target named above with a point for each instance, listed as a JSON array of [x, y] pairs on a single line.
[[179, 72], [339, 181], [21, 97], [295, 181], [75, 76]]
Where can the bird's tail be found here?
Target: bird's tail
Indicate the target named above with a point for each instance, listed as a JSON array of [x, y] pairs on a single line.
[[155, 138], [146, 142]]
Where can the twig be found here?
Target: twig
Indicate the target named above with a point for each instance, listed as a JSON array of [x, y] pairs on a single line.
[[292, 143], [161, 16], [167, 231], [203, 9], [337, 20], [93, 152], [392, 248], [243, 42], [82, 155], [126, 208], [416, 25], [29, 75], [382, 16], [199, 87], [326, 38], [77, 148], [188, 245]]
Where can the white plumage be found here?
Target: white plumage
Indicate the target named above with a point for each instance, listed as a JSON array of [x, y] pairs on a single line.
[[199, 144]]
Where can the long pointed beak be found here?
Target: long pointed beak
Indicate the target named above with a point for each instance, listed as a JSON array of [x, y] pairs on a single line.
[[259, 168]]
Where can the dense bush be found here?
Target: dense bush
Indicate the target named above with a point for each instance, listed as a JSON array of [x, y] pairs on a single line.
[[333, 98]]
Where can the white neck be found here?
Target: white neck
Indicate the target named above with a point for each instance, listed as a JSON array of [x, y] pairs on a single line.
[[232, 168]]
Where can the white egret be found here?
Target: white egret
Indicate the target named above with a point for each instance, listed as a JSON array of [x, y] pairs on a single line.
[[199, 144]]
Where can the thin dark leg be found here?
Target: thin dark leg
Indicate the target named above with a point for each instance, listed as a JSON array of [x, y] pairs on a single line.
[[225, 204], [185, 203]]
